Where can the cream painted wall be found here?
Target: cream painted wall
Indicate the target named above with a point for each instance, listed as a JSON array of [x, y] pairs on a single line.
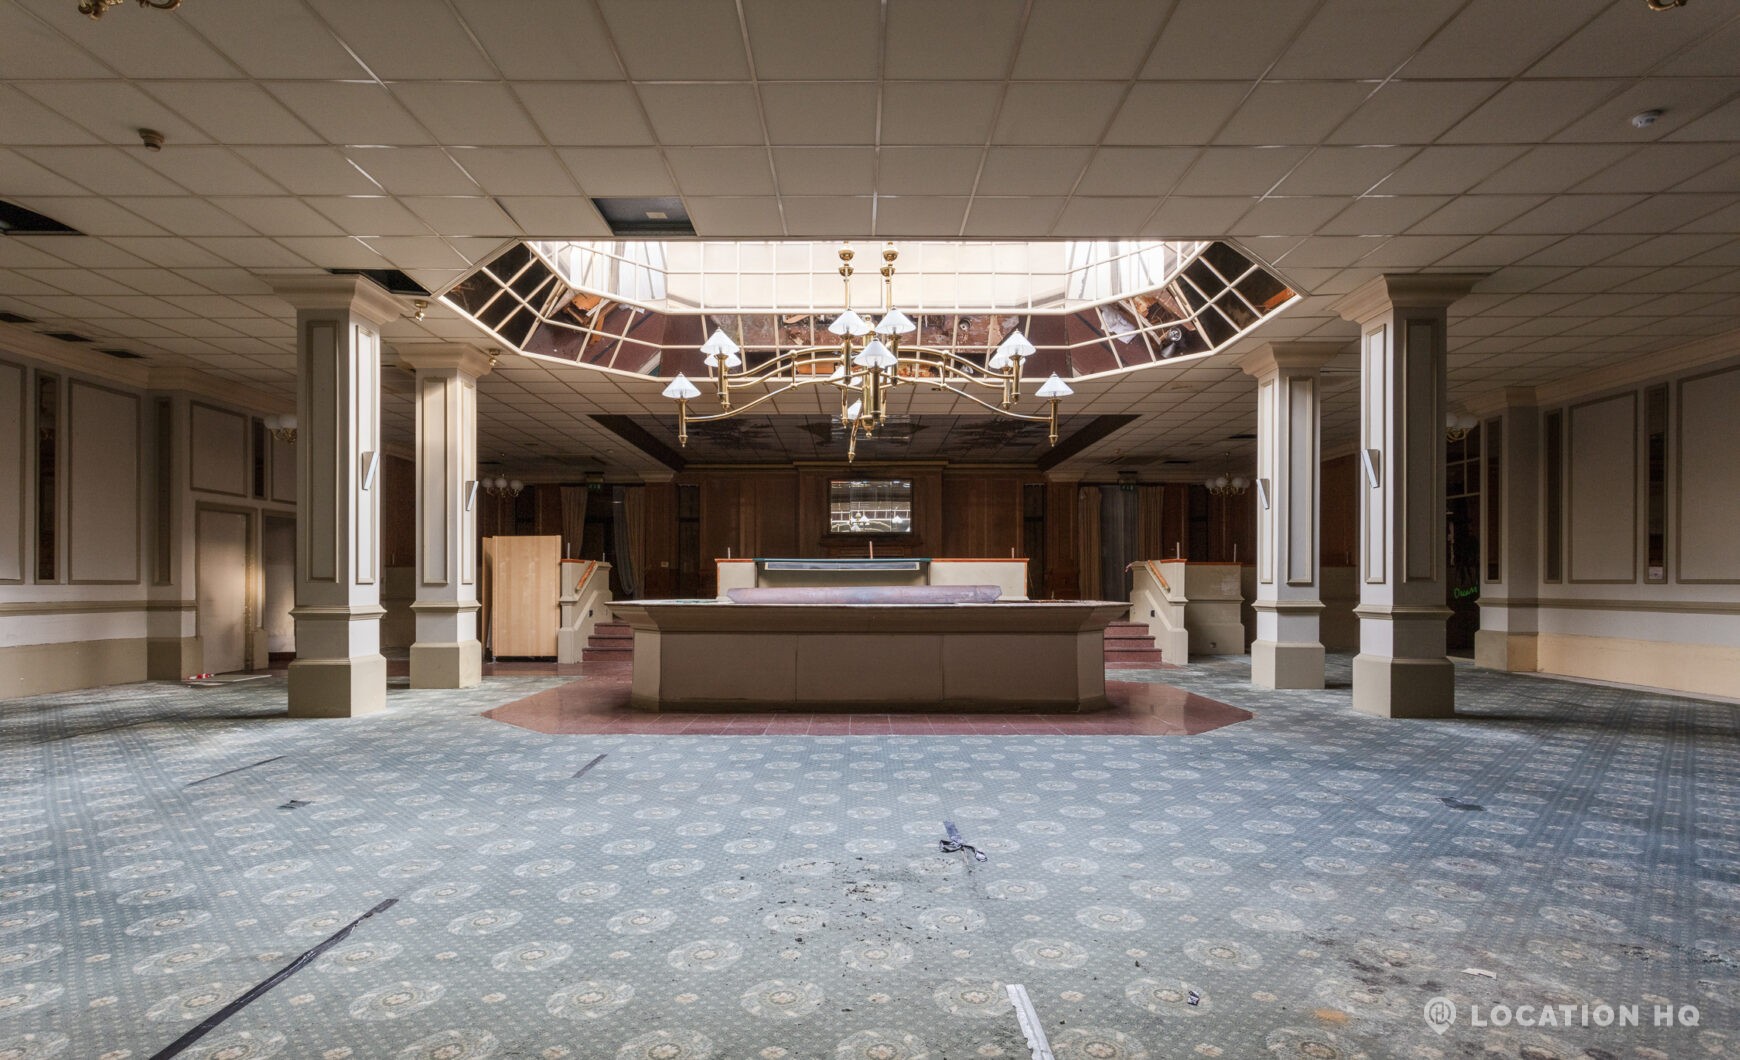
[[1602, 487], [104, 535], [1708, 541], [13, 423]]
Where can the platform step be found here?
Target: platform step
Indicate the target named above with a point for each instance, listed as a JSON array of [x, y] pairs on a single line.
[[598, 640], [612, 629], [1133, 656], [611, 654]]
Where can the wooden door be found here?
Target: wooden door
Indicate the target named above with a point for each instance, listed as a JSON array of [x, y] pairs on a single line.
[[525, 591], [222, 593]]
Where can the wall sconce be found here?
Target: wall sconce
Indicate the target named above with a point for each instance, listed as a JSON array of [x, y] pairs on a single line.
[[282, 427], [1457, 424], [502, 487]]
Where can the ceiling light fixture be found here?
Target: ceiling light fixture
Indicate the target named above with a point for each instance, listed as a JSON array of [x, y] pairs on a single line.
[[1457, 424], [868, 362], [95, 8], [503, 487], [282, 427], [1644, 119], [1228, 485], [1654, 5], [419, 309]]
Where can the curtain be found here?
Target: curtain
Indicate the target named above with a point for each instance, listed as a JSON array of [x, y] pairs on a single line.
[[1088, 548], [1149, 513], [631, 537], [573, 521]]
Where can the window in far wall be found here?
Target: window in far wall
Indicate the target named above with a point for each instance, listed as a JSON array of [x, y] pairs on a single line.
[[47, 477], [259, 442], [1655, 416]]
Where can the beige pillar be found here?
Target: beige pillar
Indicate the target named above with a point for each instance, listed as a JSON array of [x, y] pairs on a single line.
[[447, 652], [1288, 649], [1509, 622], [1401, 670], [339, 671]]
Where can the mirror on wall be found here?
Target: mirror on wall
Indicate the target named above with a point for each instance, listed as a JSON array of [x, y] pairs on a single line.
[[870, 506]]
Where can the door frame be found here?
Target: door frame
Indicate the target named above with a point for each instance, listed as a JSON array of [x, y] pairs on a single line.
[[252, 574]]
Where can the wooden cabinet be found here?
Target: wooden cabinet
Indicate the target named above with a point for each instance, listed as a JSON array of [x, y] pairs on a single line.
[[523, 580]]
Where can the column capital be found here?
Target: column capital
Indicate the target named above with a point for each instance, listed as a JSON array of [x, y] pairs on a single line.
[[1271, 357], [1411, 290], [446, 356], [356, 294], [1063, 478]]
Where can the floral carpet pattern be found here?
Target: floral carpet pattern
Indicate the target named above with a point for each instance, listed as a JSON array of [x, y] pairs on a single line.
[[1298, 885]]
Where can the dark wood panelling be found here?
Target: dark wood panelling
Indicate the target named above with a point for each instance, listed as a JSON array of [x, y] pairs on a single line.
[[1062, 532], [1341, 477], [398, 512], [982, 514]]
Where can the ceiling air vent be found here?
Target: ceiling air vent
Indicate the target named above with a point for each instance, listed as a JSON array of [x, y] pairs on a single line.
[[17, 221], [662, 216], [1239, 437], [393, 280], [14, 318], [66, 336], [125, 355]]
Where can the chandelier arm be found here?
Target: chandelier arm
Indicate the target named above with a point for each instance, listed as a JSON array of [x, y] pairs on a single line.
[[1001, 411], [736, 410]]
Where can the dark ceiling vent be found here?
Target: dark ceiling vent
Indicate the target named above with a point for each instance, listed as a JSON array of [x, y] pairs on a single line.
[[15, 220], [125, 355], [393, 280], [66, 336], [660, 216], [14, 318], [1239, 437]]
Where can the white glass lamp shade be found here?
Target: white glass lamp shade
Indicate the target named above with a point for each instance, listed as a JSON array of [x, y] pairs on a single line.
[[895, 323], [680, 388], [874, 355], [1014, 346], [719, 347], [1240, 482], [1054, 388], [1218, 482], [850, 323], [274, 422], [516, 485], [500, 483]]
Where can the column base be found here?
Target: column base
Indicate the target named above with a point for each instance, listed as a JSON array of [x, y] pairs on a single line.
[[447, 665], [1404, 688], [173, 658], [1494, 649], [338, 688], [1286, 665]]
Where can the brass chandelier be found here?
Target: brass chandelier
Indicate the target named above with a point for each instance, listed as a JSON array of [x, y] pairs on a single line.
[[95, 8], [868, 362]]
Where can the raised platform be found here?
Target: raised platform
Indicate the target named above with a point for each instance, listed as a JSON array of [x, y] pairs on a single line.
[[705, 655]]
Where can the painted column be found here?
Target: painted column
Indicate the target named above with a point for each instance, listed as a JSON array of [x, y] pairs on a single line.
[[339, 671], [1288, 650], [1509, 618], [1401, 670], [447, 652]]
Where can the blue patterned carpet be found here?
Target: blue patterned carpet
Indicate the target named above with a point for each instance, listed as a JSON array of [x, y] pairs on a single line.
[[763, 898]]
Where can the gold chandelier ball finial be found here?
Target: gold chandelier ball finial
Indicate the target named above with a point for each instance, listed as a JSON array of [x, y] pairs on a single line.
[[95, 8], [846, 253]]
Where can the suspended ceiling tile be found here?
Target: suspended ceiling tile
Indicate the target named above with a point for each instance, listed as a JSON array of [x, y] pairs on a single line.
[[1032, 170], [1361, 38], [1531, 111], [439, 49], [703, 114], [1689, 213], [1476, 214], [1175, 112], [919, 216], [1292, 112], [554, 40], [1627, 40], [310, 170], [822, 113], [1443, 170], [350, 112], [965, 39], [1297, 216], [935, 112], [1135, 170], [1663, 166], [88, 214], [461, 215], [468, 113], [31, 48], [1412, 112], [417, 252], [1382, 215], [167, 253], [377, 215], [185, 216], [1239, 170], [261, 253], [155, 47], [330, 253], [1196, 217], [554, 217], [412, 170], [825, 170], [1409, 250], [1343, 170], [299, 45], [515, 170], [673, 39], [238, 112], [625, 171], [1057, 113], [1231, 39], [799, 40], [1569, 213], [586, 113], [1107, 40], [210, 171], [1106, 218], [1553, 168], [721, 170], [991, 217], [927, 170]]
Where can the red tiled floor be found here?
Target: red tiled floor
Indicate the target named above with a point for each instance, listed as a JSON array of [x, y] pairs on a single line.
[[599, 704]]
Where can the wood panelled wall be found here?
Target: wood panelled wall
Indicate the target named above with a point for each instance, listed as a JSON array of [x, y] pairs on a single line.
[[1340, 537]]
